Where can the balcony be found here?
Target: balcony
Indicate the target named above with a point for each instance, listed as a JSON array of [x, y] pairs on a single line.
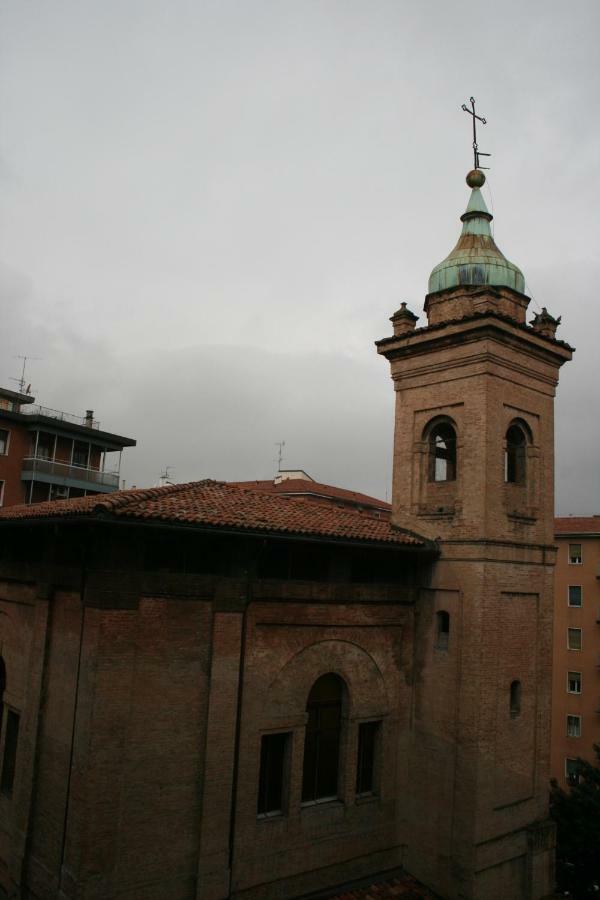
[[49, 470]]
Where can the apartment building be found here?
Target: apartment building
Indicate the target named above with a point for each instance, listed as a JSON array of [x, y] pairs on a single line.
[[576, 680]]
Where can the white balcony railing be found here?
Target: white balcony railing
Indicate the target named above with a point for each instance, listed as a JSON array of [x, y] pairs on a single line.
[[33, 465], [35, 410]]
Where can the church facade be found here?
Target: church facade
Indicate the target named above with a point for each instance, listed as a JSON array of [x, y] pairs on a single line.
[[211, 691]]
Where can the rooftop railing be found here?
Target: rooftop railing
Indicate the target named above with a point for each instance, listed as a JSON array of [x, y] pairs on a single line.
[[35, 410]]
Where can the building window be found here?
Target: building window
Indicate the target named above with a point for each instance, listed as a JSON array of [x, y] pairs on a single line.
[[573, 726], [273, 757], [4, 440], [81, 454], [515, 699], [574, 682], [10, 752], [442, 638], [574, 638], [571, 771], [1, 493], [442, 452], [575, 556], [515, 455], [322, 742], [575, 595], [368, 746]]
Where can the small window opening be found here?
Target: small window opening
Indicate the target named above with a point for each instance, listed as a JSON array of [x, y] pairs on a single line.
[[442, 629], [10, 752], [575, 556], [574, 682], [573, 726], [572, 771], [515, 456], [273, 755], [442, 453], [368, 740], [322, 742], [515, 699], [574, 638], [575, 595]]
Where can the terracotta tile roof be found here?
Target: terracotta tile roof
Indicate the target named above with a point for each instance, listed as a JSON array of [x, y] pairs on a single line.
[[577, 525], [221, 505], [404, 886], [302, 486]]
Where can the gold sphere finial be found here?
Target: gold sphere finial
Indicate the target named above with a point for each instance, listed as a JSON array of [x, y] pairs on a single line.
[[475, 178]]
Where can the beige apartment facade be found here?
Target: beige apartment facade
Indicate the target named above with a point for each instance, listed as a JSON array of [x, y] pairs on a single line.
[[576, 680]]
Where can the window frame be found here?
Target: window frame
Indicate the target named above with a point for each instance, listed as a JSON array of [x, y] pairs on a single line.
[[515, 454], [576, 649], [2, 486], [10, 750], [319, 735], [7, 431], [373, 791], [573, 672], [442, 629], [515, 698], [577, 558], [571, 777], [573, 725], [448, 454], [282, 810], [569, 603]]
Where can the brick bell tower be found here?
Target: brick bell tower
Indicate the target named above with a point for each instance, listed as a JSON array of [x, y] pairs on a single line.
[[474, 468]]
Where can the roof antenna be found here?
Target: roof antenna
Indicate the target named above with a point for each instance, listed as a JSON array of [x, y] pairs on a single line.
[[165, 477], [24, 388], [476, 151], [281, 445]]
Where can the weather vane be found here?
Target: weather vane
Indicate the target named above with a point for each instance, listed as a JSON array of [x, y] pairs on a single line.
[[476, 151]]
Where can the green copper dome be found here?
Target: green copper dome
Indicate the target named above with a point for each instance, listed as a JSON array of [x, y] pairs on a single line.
[[476, 259]]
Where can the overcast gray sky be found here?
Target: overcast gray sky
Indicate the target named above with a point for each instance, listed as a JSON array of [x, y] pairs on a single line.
[[209, 210]]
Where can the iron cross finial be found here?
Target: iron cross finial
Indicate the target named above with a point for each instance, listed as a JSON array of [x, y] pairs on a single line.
[[476, 152]]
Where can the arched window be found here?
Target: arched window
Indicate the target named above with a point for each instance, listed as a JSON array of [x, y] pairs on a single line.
[[322, 743], [442, 629], [516, 455], [442, 452], [515, 699]]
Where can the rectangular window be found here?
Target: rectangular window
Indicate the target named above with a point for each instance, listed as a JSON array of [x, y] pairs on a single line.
[[574, 638], [571, 771], [368, 741], [271, 781], [1, 493], [575, 595], [574, 682], [10, 752], [4, 439], [575, 554], [573, 726]]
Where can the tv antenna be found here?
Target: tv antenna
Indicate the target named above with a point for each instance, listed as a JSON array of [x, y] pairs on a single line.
[[476, 151], [24, 387], [165, 476], [281, 445]]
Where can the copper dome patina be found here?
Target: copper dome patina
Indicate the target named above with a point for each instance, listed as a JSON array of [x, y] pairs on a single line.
[[476, 259]]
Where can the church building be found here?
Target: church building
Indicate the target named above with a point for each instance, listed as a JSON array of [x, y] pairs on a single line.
[[218, 691]]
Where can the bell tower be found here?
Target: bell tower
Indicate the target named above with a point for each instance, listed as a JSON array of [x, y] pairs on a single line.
[[474, 469]]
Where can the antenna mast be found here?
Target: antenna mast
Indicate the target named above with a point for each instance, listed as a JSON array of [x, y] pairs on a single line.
[[281, 445], [21, 381]]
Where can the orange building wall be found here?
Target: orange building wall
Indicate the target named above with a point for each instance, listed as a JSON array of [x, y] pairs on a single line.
[[11, 464], [587, 660]]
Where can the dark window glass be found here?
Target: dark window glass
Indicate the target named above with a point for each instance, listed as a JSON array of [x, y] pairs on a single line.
[[273, 752], [442, 453], [3, 441], [322, 743], [368, 736], [574, 682], [572, 770], [10, 752], [575, 554], [575, 595], [443, 630], [81, 454], [514, 461], [515, 699]]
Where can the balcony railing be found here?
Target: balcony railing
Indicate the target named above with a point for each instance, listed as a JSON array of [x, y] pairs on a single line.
[[62, 470], [35, 410]]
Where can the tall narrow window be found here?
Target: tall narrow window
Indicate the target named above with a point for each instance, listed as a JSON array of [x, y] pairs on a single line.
[[4, 436], [273, 753], [10, 752], [574, 682], [1, 493], [515, 457], [368, 739], [442, 453], [575, 596], [322, 743], [442, 620], [571, 771], [573, 726], [2, 689], [515, 699], [575, 556], [574, 638]]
